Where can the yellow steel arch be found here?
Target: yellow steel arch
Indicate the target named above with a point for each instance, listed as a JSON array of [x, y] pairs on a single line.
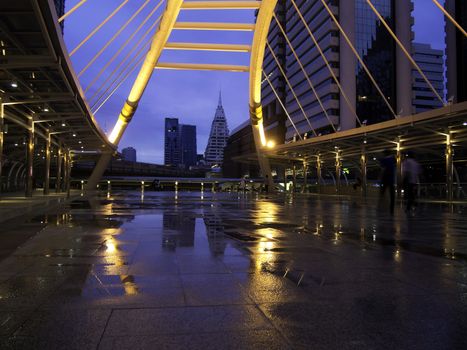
[[263, 22], [131, 104]]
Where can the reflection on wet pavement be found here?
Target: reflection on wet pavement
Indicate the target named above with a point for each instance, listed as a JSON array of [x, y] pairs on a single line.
[[231, 270]]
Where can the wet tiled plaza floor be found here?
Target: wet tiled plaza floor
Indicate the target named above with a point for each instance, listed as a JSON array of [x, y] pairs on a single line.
[[233, 271]]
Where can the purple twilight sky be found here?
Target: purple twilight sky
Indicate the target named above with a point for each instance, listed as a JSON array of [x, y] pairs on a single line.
[[190, 96]]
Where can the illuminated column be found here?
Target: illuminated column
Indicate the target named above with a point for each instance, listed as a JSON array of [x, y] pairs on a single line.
[[403, 19], [399, 169], [47, 166], [318, 172], [1, 140], [338, 171], [294, 177], [363, 171], [58, 182], [449, 169], [347, 65], [67, 172], [305, 177], [29, 159]]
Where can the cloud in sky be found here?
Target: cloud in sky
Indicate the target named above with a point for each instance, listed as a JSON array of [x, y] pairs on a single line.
[[190, 96]]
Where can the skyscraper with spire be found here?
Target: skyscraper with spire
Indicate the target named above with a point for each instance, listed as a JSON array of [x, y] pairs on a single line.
[[218, 136]]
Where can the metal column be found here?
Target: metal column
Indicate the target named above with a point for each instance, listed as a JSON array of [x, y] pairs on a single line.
[[363, 171], [338, 171], [318, 172], [294, 177], [68, 174], [449, 169], [399, 184], [47, 165], [58, 182], [29, 160], [305, 177]]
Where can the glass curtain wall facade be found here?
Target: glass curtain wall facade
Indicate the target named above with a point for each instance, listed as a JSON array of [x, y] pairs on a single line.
[[327, 36], [377, 49], [374, 44], [456, 51]]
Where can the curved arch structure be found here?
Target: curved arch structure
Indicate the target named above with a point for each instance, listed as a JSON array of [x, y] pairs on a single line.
[[263, 22], [261, 29], [131, 104]]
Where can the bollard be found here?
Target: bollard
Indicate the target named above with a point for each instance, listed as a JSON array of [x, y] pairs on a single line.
[[142, 186], [109, 186], [82, 185]]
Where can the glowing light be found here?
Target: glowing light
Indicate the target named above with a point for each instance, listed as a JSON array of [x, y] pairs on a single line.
[[271, 144], [117, 130], [111, 247], [14, 84]]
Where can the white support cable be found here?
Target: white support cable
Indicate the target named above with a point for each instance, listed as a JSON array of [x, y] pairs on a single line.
[[318, 98], [282, 105], [290, 87], [95, 30], [404, 50], [126, 58], [334, 77], [448, 15], [125, 44], [122, 72], [365, 67], [111, 40], [119, 84], [73, 9]]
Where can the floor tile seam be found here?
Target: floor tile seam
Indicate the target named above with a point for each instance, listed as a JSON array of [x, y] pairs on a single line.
[[232, 330], [37, 309], [225, 306], [104, 328], [182, 284], [271, 323], [228, 331]]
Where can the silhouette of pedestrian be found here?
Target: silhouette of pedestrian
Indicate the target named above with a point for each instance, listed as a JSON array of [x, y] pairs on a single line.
[[266, 183], [411, 171], [388, 172]]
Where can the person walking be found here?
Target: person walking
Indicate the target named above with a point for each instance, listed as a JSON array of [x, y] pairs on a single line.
[[266, 184], [411, 171], [388, 174]]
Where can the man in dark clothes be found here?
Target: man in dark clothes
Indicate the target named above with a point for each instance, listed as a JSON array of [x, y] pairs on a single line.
[[388, 172]]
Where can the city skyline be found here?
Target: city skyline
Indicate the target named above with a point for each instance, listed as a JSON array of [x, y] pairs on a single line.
[[168, 88]]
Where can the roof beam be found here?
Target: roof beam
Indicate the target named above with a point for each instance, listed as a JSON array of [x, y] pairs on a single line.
[[208, 47], [24, 62], [243, 27], [199, 66], [221, 5]]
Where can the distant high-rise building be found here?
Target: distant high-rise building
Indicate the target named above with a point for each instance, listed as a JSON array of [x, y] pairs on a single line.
[[172, 155], [218, 137], [180, 143], [456, 51], [188, 145], [374, 44], [431, 63], [129, 154]]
